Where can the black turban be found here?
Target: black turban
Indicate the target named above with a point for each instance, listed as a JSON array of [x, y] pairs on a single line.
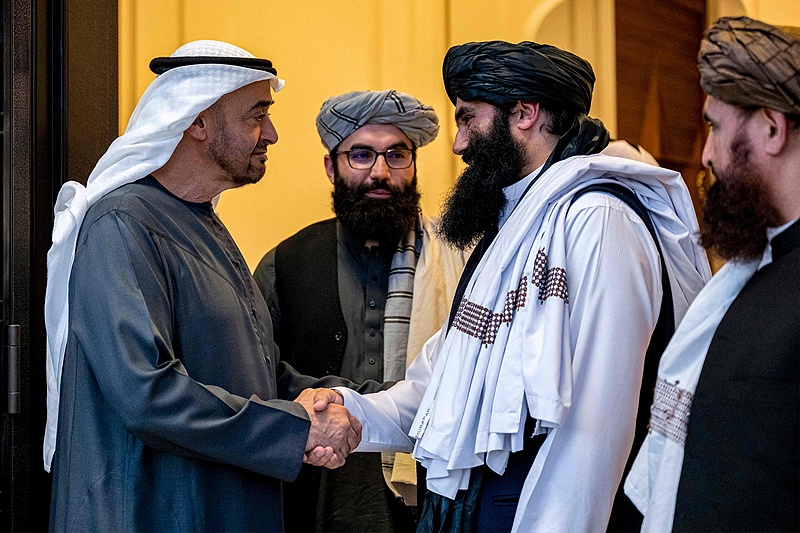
[[502, 74]]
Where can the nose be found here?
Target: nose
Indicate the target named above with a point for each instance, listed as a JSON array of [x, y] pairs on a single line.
[[460, 142], [708, 154], [380, 170], [268, 131]]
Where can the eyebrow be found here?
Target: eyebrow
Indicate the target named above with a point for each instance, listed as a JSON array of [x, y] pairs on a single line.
[[262, 103], [396, 145], [461, 111]]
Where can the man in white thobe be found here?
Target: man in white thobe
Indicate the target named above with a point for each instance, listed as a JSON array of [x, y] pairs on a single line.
[[522, 407]]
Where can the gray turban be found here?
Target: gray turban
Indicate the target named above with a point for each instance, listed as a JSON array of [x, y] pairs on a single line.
[[502, 74], [748, 63], [341, 115]]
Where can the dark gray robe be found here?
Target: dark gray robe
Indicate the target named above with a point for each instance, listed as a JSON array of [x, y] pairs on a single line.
[[169, 417]]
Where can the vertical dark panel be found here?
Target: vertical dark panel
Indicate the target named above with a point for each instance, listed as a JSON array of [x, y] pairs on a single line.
[[5, 467], [59, 115], [659, 99], [91, 90], [16, 247]]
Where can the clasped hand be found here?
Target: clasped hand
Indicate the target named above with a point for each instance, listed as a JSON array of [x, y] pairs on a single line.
[[334, 431]]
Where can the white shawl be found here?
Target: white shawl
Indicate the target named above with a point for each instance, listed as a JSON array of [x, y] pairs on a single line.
[[482, 388], [167, 108]]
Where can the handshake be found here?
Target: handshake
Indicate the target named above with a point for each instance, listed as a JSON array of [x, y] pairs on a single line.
[[334, 431]]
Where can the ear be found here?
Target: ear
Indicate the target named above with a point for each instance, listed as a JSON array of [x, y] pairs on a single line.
[[199, 128], [775, 130], [329, 167], [525, 115]]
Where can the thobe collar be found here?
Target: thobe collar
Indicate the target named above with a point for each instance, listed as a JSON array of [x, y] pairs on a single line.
[[514, 194], [782, 240]]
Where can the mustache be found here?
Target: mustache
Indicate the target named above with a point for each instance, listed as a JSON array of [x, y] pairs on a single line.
[[378, 185], [469, 153], [261, 147]]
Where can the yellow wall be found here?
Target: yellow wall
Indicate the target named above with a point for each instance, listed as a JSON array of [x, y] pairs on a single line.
[[322, 48], [778, 12]]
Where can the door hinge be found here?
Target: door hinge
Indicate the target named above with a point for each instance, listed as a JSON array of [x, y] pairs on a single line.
[[12, 361]]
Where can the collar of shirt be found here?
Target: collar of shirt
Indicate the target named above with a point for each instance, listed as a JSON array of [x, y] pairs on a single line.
[[513, 194], [771, 233]]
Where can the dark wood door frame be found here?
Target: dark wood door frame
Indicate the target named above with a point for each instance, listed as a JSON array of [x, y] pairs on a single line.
[[659, 99], [59, 116]]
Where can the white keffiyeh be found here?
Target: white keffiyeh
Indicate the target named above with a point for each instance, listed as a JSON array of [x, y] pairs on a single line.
[[482, 388], [167, 108], [652, 484]]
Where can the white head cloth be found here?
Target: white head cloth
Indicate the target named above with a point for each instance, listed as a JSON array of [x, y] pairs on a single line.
[[341, 115], [167, 108], [625, 149]]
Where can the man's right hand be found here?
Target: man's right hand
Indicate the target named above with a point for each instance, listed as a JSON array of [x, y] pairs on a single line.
[[332, 427]]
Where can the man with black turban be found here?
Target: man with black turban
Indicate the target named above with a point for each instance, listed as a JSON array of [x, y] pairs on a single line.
[[522, 408], [358, 295], [724, 446]]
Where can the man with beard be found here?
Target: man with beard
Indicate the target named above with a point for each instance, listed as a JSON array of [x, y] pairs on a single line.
[[357, 295], [162, 380], [522, 407], [724, 446]]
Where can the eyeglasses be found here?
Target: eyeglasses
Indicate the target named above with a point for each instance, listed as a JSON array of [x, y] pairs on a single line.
[[364, 158]]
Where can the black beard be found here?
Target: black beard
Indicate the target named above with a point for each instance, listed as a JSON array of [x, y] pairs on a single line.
[[738, 210], [384, 220], [476, 201]]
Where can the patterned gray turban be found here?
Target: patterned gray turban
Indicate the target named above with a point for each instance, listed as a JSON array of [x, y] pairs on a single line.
[[748, 63], [341, 115], [502, 74]]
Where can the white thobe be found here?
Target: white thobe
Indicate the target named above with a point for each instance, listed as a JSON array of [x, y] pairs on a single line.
[[615, 296]]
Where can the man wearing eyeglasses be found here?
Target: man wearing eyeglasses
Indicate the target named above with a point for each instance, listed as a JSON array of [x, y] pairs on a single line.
[[357, 295]]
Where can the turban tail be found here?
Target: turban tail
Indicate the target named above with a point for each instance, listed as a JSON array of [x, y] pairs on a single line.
[[341, 115], [748, 63], [502, 74]]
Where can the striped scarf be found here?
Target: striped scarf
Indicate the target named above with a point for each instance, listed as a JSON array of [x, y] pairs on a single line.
[[397, 316]]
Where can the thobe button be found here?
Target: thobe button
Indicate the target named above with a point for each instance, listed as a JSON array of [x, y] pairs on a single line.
[[374, 278], [338, 336], [372, 332], [371, 361], [372, 303]]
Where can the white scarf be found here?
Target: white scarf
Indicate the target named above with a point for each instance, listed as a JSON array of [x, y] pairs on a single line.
[[481, 390], [652, 484], [167, 108]]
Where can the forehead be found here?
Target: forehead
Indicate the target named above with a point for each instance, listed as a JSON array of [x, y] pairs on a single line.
[[255, 94], [377, 136], [720, 111]]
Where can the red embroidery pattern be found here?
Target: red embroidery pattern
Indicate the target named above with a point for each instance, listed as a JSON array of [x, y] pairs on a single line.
[[551, 282], [480, 322], [669, 414]]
